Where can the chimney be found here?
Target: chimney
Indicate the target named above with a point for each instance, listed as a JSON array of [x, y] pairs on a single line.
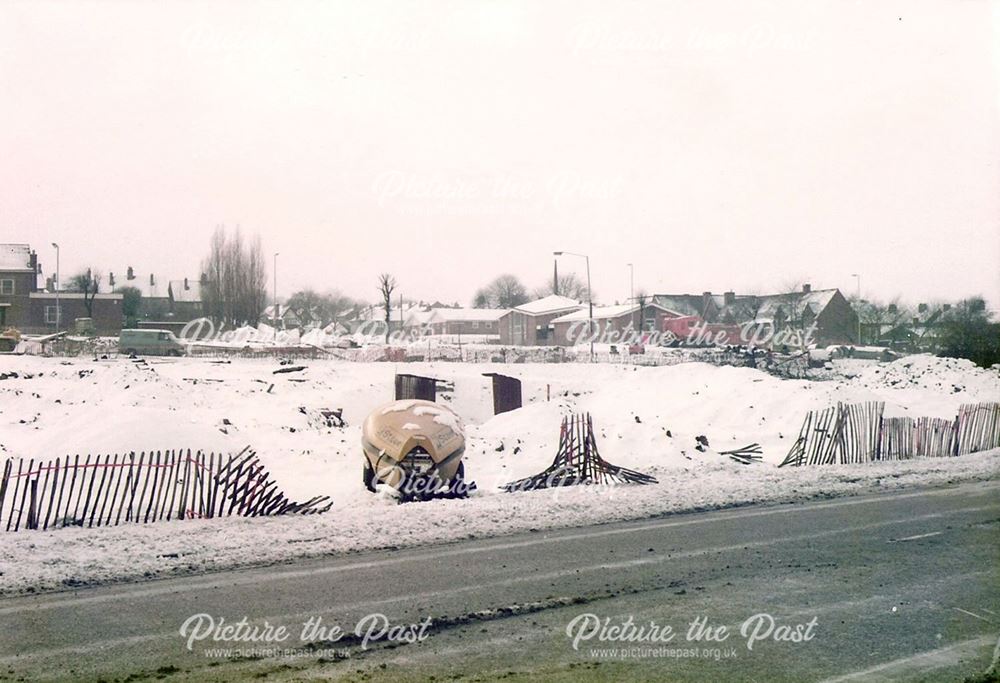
[[730, 298], [916, 321], [555, 276], [111, 279], [946, 307], [129, 273], [806, 288], [921, 308], [186, 286], [893, 308], [152, 281]]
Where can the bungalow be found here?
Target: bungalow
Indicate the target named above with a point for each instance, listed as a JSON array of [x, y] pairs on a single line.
[[530, 324], [468, 321], [567, 329]]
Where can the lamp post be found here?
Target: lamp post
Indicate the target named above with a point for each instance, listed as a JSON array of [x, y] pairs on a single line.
[[58, 310], [275, 273], [590, 298], [631, 282], [857, 276]]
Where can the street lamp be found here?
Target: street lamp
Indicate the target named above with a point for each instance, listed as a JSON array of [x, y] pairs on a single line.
[[58, 310], [590, 298], [276, 297], [857, 276]]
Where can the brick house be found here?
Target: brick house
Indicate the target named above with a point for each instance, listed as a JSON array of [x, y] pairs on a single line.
[[836, 321], [530, 324], [608, 319], [42, 312], [19, 272], [33, 311]]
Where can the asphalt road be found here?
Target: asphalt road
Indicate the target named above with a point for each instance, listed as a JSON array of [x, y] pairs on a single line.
[[902, 586]]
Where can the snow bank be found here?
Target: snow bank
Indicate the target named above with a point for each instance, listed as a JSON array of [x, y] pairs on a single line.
[[645, 418], [70, 558]]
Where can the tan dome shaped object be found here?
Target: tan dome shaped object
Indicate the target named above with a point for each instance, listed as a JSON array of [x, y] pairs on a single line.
[[413, 444]]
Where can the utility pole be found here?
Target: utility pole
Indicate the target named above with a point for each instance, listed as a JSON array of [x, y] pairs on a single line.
[[58, 309], [275, 297], [631, 282], [590, 298], [857, 276]]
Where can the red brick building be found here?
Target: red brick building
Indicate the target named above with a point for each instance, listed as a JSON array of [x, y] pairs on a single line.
[[18, 279]]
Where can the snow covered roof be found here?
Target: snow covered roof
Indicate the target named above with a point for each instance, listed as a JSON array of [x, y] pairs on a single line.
[[774, 306], [187, 294], [72, 295], [606, 312], [464, 314], [159, 289], [418, 317], [746, 307], [600, 313], [552, 303], [682, 304], [15, 257]]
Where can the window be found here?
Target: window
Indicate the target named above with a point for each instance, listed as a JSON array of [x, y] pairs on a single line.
[[475, 324], [7, 287], [53, 314], [488, 324]]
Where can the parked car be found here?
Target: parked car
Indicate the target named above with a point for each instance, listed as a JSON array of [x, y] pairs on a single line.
[[150, 343]]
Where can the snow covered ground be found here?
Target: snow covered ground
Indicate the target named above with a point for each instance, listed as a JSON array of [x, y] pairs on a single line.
[[646, 418]]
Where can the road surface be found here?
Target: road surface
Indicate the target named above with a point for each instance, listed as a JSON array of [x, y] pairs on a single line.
[[900, 586]]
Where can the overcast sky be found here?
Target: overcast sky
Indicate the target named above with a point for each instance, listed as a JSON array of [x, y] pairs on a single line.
[[715, 145]]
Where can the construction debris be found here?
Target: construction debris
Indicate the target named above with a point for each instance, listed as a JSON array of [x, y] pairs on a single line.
[[578, 462], [745, 455]]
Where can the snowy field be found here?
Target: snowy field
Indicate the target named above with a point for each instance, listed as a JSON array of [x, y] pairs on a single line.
[[645, 418]]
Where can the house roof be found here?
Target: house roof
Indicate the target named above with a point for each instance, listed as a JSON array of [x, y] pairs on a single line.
[[606, 312], [15, 257], [553, 303], [773, 306], [683, 304], [73, 295], [747, 307], [418, 317], [190, 294], [160, 289]]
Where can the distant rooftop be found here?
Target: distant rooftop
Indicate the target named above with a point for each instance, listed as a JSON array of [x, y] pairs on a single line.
[[15, 257], [549, 304]]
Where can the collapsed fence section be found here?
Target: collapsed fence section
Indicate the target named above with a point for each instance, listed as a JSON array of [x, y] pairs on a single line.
[[578, 462], [137, 489], [853, 433]]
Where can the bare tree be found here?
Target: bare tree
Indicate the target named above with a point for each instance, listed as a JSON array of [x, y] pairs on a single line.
[[386, 286], [87, 282], [322, 309], [235, 288], [506, 291], [643, 300], [569, 286], [877, 317]]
